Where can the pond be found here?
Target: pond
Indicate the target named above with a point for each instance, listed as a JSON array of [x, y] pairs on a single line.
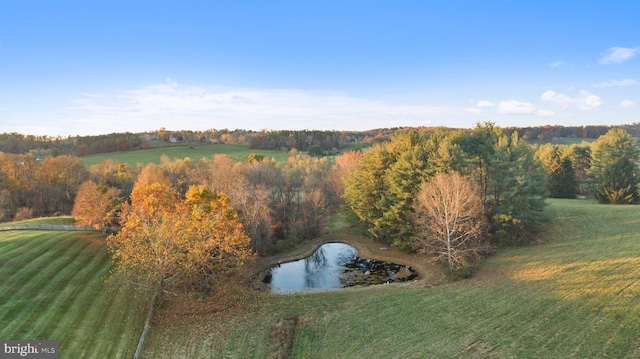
[[334, 266]]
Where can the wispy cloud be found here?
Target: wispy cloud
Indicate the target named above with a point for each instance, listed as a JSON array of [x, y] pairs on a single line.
[[616, 83], [474, 110], [484, 103], [585, 101], [617, 55], [175, 105], [557, 64], [627, 104], [93, 95], [515, 107], [545, 113]]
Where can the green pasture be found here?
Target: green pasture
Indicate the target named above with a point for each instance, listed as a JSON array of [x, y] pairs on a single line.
[[43, 220], [577, 295], [195, 151], [52, 288]]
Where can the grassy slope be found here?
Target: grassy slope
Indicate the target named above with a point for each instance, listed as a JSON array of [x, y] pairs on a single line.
[[52, 288], [193, 151], [576, 296]]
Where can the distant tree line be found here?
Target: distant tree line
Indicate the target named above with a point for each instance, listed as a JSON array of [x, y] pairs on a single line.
[[44, 146], [548, 134], [300, 140]]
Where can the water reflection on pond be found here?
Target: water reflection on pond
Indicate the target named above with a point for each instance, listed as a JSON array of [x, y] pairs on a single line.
[[334, 266]]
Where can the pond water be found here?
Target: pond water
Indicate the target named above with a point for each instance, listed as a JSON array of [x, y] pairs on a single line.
[[334, 266]]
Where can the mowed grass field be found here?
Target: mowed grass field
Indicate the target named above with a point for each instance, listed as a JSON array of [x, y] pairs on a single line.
[[575, 296], [195, 151], [52, 287]]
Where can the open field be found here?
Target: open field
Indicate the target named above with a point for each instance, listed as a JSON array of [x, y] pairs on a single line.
[[53, 288], [575, 296], [195, 151], [61, 220]]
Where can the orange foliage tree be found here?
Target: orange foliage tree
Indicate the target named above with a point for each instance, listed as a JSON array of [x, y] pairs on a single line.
[[167, 240], [96, 205]]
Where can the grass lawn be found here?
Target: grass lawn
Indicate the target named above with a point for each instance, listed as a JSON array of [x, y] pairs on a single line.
[[52, 288], [575, 296], [195, 151]]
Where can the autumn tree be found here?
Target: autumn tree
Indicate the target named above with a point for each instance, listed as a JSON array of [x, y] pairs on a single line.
[[45, 187], [343, 168], [96, 205], [169, 241], [251, 201], [114, 174], [177, 171], [150, 174], [449, 219]]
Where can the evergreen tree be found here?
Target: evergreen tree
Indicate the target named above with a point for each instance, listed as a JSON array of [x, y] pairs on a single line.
[[517, 183], [559, 166], [562, 178], [614, 167]]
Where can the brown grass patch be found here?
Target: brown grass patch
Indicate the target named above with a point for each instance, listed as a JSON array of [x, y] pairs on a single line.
[[281, 337]]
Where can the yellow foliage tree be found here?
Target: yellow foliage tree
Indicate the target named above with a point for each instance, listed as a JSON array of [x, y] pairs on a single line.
[[168, 241]]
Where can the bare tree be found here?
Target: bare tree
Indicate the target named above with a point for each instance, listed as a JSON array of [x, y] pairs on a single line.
[[448, 214]]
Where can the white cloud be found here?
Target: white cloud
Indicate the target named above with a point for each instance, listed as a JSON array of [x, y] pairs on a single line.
[[557, 64], [616, 83], [627, 104], [484, 103], [545, 113], [515, 107], [178, 106], [588, 101], [171, 81], [585, 102], [617, 55], [559, 99]]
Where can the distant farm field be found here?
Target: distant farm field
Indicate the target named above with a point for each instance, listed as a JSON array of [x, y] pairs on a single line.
[[575, 296], [195, 151], [52, 288]]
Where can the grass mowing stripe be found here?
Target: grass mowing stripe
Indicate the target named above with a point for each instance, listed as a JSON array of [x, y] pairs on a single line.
[[128, 324], [55, 292], [54, 283], [83, 331], [14, 252], [34, 283], [87, 331], [71, 294]]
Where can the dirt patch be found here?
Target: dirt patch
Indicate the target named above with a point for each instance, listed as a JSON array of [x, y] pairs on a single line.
[[281, 338]]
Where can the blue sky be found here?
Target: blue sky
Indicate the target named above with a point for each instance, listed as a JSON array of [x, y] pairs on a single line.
[[93, 67]]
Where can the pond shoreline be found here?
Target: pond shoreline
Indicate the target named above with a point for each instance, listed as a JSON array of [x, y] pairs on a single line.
[[429, 274]]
